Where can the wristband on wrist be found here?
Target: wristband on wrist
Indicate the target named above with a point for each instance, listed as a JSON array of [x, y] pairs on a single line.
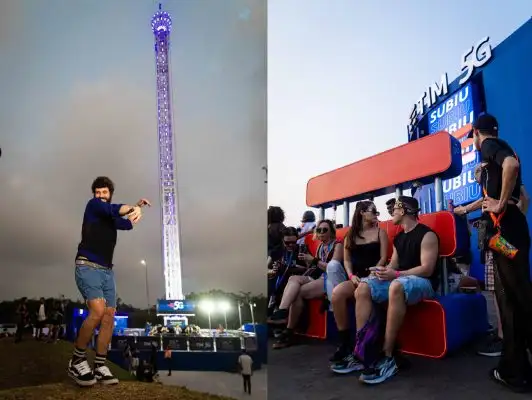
[[397, 274], [350, 276]]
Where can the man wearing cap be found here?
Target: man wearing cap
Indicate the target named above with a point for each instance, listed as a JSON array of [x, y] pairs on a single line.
[[411, 276], [501, 183]]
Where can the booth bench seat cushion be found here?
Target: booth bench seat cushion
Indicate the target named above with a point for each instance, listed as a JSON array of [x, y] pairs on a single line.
[[432, 328]]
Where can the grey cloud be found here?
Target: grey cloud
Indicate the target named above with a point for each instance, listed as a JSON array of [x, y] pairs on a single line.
[[107, 127]]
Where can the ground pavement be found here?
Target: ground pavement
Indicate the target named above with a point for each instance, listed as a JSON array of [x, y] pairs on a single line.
[[220, 383], [302, 372]]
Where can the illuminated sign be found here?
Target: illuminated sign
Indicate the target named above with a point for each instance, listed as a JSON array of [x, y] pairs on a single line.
[[454, 113], [475, 57], [178, 307]]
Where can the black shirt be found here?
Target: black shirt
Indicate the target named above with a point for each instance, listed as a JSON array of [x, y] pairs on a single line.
[[408, 246], [493, 152], [364, 256], [98, 233], [514, 227]]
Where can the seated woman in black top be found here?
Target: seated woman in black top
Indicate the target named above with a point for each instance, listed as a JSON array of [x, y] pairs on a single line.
[[365, 246]]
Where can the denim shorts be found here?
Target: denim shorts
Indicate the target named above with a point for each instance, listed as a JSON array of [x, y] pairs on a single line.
[[416, 289], [96, 283]]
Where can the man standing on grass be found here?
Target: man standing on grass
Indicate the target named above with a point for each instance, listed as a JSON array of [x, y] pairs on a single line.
[[95, 278]]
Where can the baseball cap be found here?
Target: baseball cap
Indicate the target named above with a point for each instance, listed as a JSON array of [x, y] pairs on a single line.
[[485, 122], [409, 204]]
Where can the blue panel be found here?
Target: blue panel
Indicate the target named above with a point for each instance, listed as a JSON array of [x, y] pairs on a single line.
[[182, 307]]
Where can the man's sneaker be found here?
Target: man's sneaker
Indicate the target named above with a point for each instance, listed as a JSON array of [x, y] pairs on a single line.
[[279, 317], [492, 347], [284, 341], [348, 364], [384, 369], [81, 373], [341, 352], [277, 333], [104, 376]]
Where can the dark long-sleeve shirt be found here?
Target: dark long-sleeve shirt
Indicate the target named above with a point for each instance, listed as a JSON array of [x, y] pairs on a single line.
[[99, 231]]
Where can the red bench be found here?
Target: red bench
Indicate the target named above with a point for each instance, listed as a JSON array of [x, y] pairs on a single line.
[[424, 331]]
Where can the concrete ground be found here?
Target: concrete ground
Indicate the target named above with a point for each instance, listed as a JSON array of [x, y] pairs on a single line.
[[220, 383], [302, 373]]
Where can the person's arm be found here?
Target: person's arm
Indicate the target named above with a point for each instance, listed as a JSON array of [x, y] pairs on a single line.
[[429, 257], [338, 256], [383, 239], [103, 208], [348, 266], [123, 224], [474, 206], [524, 200]]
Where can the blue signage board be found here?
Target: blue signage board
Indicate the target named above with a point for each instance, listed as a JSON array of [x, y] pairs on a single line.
[[458, 110], [176, 307]]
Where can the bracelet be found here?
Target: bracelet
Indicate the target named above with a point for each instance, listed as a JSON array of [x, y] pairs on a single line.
[[350, 276], [397, 274]]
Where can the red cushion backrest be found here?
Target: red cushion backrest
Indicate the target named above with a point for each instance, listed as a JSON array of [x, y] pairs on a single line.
[[442, 223]]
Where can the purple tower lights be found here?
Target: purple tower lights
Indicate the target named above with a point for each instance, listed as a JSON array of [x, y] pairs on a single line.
[[161, 24]]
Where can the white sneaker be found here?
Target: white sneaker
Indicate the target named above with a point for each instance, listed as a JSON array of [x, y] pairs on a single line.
[[104, 376], [81, 373]]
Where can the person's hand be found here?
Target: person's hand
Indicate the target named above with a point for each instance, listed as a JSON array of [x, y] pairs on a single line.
[[492, 205], [135, 215], [385, 273], [275, 267], [143, 202], [460, 210], [308, 258], [355, 280]]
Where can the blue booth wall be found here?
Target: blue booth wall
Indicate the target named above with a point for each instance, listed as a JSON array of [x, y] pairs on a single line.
[[507, 86]]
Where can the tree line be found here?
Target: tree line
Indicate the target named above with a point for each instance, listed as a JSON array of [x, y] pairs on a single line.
[[137, 317]]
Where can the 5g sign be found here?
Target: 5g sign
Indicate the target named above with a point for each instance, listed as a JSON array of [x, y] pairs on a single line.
[[179, 305], [475, 57]]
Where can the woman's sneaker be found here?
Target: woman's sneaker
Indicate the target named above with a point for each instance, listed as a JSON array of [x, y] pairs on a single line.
[[104, 376], [348, 364], [81, 373], [383, 370]]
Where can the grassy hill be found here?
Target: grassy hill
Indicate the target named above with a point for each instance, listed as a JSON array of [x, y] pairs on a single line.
[[36, 370]]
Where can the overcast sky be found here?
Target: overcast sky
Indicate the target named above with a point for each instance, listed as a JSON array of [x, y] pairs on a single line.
[[343, 76], [78, 101]]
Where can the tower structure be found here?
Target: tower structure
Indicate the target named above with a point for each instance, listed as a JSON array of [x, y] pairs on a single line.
[[161, 25]]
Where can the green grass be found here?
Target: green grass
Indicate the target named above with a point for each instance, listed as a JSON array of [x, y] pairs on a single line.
[[37, 370]]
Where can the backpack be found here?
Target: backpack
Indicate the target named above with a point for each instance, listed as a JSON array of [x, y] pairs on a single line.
[[370, 339]]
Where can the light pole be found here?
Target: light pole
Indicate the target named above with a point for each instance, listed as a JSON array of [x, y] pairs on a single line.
[[143, 263], [208, 306], [251, 307], [240, 315], [225, 306]]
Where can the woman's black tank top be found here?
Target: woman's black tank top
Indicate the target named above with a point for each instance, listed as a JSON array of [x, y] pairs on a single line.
[[364, 256]]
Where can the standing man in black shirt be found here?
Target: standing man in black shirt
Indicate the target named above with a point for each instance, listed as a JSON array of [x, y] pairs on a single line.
[[410, 277], [501, 183], [95, 278]]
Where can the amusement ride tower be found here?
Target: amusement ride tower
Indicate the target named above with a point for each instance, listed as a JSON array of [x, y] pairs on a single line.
[[161, 24]]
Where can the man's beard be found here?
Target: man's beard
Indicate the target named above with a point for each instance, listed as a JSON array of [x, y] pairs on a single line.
[[107, 200]]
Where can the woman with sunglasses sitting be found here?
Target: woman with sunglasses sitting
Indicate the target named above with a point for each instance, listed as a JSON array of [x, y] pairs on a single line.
[[365, 246], [311, 284]]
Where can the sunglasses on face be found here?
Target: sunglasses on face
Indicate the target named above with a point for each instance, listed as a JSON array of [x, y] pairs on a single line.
[[322, 230], [374, 212], [289, 242]]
